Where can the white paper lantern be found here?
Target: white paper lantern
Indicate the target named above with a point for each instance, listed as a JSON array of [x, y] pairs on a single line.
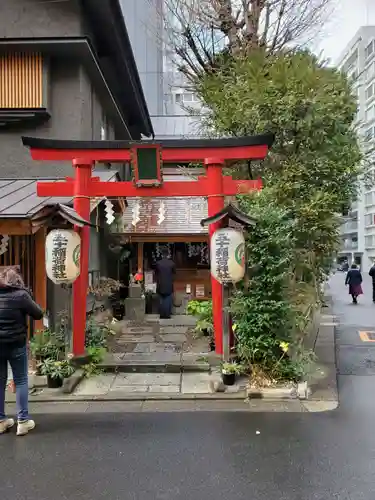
[[63, 251], [228, 255]]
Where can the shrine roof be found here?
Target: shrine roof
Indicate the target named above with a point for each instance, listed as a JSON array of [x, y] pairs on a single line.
[[18, 198], [229, 142], [231, 212]]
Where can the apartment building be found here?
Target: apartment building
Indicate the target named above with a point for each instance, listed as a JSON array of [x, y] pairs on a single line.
[[166, 90], [358, 229]]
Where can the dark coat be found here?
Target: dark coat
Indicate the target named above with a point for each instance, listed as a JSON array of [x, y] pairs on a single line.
[[354, 277], [372, 274], [165, 271], [15, 305]]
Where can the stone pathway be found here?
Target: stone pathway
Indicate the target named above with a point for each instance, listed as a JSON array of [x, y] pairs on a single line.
[[156, 343], [157, 357]]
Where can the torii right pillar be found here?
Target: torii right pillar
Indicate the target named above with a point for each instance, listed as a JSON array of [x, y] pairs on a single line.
[[214, 167]]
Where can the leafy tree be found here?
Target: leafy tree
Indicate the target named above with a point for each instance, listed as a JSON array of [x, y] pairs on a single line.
[[314, 164], [310, 173]]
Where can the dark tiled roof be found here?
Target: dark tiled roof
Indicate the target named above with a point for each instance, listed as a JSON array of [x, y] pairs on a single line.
[[18, 197]]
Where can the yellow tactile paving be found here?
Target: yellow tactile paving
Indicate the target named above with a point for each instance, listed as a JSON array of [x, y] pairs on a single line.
[[365, 337]]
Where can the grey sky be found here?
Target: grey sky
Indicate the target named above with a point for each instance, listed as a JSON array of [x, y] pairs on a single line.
[[348, 16]]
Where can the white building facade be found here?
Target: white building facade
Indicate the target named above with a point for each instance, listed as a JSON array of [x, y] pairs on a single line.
[[358, 231]]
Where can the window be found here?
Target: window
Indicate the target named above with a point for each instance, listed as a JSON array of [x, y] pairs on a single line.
[[370, 113], [370, 91], [178, 97], [22, 83], [370, 241], [369, 134], [188, 97], [369, 198], [369, 220], [351, 60], [370, 71], [369, 49]]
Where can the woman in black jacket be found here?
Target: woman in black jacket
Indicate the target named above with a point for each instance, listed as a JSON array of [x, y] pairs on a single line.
[[354, 280], [16, 304]]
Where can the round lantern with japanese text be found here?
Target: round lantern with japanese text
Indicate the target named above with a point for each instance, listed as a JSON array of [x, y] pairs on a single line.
[[63, 250], [228, 255]]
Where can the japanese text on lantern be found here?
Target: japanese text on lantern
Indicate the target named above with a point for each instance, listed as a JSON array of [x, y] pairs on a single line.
[[60, 244], [222, 257]]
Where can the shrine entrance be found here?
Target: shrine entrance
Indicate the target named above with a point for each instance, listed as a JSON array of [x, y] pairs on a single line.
[[147, 159]]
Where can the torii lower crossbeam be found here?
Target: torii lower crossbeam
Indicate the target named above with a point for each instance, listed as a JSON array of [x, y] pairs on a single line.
[[201, 187], [212, 153]]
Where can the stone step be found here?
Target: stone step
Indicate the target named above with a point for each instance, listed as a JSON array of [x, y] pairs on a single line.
[[162, 362]]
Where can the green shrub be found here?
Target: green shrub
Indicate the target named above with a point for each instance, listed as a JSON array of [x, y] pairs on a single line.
[[202, 310]]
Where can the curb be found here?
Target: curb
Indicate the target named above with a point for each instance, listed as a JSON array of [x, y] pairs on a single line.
[[296, 391]]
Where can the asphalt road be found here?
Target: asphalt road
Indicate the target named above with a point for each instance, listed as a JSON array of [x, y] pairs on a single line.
[[210, 455]]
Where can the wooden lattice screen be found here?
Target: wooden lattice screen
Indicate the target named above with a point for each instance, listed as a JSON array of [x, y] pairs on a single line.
[[21, 81]]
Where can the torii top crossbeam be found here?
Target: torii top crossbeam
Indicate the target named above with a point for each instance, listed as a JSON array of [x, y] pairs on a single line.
[[146, 158]]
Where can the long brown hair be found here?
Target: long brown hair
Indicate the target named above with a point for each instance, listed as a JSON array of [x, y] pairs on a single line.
[[11, 276]]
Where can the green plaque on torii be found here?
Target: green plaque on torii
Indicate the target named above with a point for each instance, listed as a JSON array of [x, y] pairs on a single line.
[[146, 163]]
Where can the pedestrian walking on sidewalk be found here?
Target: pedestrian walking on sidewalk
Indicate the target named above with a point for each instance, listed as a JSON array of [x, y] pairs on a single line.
[[16, 304], [165, 273], [354, 280], [372, 274]]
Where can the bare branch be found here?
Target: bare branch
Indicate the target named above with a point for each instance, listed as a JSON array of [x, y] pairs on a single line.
[[197, 31]]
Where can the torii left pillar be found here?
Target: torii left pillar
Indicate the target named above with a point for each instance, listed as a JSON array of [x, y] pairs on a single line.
[[81, 203]]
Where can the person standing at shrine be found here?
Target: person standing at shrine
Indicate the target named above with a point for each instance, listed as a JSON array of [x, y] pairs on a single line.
[[16, 304], [165, 270], [372, 274]]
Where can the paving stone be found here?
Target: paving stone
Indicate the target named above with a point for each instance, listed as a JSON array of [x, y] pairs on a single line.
[[174, 337], [164, 388], [154, 347], [146, 348], [126, 339], [127, 389], [149, 379], [95, 386], [139, 330], [155, 357], [197, 383], [179, 320], [166, 330]]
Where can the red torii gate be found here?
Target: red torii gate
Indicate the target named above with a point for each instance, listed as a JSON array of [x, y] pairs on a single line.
[[147, 183]]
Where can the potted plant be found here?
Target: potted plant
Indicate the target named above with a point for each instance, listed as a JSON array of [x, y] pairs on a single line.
[[46, 345], [56, 371], [229, 372]]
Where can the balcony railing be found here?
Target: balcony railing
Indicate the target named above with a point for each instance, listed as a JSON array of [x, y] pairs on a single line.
[[349, 227], [349, 245]]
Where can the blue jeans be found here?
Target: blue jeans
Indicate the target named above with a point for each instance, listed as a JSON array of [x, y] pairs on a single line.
[[17, 358]]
